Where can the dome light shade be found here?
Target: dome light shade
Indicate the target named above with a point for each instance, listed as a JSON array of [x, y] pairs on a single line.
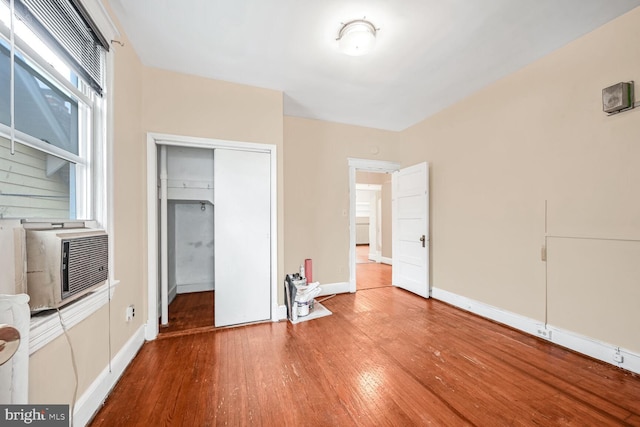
[[357, 37]]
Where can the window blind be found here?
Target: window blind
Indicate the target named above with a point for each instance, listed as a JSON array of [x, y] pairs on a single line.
[[64, 26]]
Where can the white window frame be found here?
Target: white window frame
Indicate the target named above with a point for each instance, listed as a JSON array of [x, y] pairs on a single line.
[[90, 137], [45, 329]]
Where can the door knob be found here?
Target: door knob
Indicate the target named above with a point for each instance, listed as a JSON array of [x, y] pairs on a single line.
[[423, 239]]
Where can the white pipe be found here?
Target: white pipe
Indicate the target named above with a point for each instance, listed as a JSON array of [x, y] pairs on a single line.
[[12, 96], [164, 250]]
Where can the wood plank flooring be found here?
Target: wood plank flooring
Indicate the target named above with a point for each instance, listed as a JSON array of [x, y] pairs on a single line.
[[190, 311], [372, 275], [362, 254], [385, 357]]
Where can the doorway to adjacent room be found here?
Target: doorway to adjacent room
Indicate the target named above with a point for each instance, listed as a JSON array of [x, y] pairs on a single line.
[[373, 230], [370, 223], [409, 229]]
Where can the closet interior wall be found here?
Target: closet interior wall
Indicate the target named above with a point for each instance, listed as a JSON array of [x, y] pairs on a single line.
[[190, 220]]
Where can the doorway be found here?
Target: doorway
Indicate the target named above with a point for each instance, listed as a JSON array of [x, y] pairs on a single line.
[[157, 221], [370, 243], [373, 230], [187, 175]]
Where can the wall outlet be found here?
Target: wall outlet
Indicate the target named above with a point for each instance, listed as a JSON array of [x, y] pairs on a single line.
[[544, 333], [131, 312], [617, 357]]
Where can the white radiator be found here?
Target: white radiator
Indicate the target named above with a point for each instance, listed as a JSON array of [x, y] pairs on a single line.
[[14, 374]]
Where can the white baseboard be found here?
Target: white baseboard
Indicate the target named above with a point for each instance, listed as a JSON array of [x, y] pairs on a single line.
[[375, 256], [576, 342], [91, 400], [334, 288], [596, 349], [281, 314], [385, 260], [194, 287], [516, 321]]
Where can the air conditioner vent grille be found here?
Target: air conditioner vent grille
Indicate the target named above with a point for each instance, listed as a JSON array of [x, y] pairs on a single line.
[[85, 262]]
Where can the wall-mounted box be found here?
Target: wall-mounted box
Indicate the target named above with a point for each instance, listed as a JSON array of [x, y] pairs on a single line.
[[617, 97]]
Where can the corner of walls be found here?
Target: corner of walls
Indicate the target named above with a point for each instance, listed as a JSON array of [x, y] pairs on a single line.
[[128, 161], [92, 399], [316, 174], [106, 332], [194, 106]]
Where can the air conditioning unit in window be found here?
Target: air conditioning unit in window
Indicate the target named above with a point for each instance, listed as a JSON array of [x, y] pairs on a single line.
[[64, 264]]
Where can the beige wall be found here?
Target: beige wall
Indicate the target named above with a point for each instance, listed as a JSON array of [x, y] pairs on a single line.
[[316, 176], [370, 178], [540, 134], [189, 105], [129, 195], [186, 105], [51, 373], [104, 333], [495, 158], [150, 100]]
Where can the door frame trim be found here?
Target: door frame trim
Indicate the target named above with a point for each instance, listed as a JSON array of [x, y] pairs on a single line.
[[154, 140], [365, 165]]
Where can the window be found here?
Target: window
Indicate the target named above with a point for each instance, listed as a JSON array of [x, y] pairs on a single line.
[[51, 129]]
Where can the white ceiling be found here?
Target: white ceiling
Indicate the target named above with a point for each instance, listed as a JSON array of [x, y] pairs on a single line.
[[429, 53]]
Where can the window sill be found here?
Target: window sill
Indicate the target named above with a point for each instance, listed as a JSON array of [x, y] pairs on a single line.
[[46, 328]]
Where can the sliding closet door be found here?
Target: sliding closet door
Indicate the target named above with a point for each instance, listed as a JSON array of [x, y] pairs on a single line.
[[242, 226]]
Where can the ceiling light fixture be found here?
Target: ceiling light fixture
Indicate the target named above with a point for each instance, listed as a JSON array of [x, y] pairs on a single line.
[[357, 37]]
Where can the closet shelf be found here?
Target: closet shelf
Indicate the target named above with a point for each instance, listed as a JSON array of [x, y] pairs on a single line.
[[183, 183], [180, 189], [190, 194]]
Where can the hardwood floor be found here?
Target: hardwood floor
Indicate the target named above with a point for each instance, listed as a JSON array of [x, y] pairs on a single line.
[[385, 357], [362, 254], [190, 311], [372, 275]]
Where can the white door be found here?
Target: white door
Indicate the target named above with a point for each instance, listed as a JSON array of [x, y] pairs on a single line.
[[410, 229], [242, 235]]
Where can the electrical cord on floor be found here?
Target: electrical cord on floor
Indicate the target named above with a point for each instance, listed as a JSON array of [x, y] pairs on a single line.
[[74, 365], [325, 298]]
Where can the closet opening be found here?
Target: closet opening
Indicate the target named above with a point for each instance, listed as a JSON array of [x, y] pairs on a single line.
[[187, 173], [212, 233]]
